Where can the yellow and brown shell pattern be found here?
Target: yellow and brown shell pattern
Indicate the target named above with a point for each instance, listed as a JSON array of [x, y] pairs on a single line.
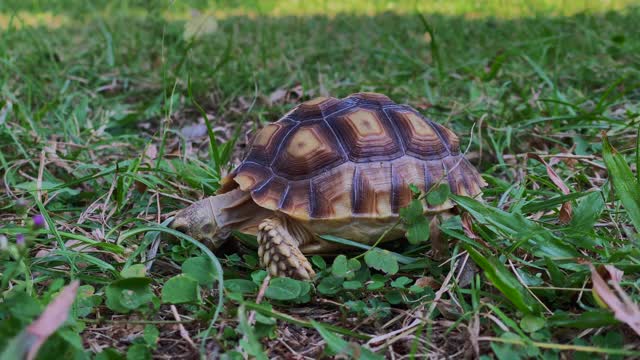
[[355, 157]]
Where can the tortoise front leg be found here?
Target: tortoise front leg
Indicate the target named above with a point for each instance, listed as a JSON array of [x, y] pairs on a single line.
[[279, 252]]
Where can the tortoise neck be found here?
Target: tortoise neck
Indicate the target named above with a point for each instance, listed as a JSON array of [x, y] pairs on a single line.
[[236, 210]]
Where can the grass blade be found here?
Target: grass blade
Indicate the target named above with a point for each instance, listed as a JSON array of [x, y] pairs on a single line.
[[504, 281], [527, 234], [435, 49], [624, 182], [551, 203], [214, 153], [401, 258], [338, 345], [565, 347], [307, 324], [638, 156]]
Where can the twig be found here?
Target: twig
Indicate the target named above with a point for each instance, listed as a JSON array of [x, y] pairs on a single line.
[[498, 322], [155, 245], [295, 353], [139, 322], [414, 325], [582, 348], [474, 333], [547, 156], [183, 332], [263, 288], [587, 159], [515, 272], [153, 191]]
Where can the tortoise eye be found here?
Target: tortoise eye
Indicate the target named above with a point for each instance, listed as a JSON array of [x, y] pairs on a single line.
[[182, 228], [206, 229]]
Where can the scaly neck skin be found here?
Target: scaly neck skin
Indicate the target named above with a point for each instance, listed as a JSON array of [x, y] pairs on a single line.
[[235, 210]]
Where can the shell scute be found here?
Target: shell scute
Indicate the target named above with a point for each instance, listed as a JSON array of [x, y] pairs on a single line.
[[372, 189], [250, 175], [331, 193], [405, 171], [296, 200], [267, 140], [421, 137], [371, 98], [309, 149], [367, 135], [269, 195], [316, 108]]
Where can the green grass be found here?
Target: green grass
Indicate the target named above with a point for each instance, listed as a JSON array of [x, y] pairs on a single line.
[[93, 100]]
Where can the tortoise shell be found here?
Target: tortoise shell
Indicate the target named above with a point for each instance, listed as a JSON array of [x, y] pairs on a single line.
[[354, 157]]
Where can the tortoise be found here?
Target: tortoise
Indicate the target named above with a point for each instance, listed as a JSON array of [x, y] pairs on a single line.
[[339, 167]]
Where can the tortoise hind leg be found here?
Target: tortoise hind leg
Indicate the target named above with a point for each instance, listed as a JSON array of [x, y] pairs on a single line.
[[278, 249]]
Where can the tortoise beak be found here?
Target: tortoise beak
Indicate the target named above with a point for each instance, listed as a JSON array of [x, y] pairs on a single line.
[[180, 223], [199, 222]]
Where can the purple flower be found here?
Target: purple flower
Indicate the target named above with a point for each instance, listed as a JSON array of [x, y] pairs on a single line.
[[38, 221], [20, 239]]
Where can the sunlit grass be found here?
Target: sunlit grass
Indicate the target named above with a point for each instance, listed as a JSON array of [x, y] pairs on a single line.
[[500, 9], [23, 19]]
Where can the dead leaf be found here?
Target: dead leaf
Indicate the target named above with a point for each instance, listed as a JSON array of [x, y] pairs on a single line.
[[428, 281], [565, 209], [282, 95], [565, 213], [140, 186], [425, 104], [467, 226], [151, 152], [53, 316], [194, 131], [614, 297], [295, 93], [439, 246], [277, 96], [448, 309], [466, 271], [427, 37]]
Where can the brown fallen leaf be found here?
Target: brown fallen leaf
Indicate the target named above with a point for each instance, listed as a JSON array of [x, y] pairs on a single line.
[[428, 281], [151, 152], [607, 290], [194, 131], [292, 95], [277, 96], [467, 226], [565, 209], [449, 309], [295, 93], [53, 316]]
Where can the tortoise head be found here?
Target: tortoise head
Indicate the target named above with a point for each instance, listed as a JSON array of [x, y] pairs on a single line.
[[199, 222]]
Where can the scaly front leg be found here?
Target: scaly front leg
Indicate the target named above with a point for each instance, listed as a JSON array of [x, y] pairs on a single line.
[[279, 252]]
